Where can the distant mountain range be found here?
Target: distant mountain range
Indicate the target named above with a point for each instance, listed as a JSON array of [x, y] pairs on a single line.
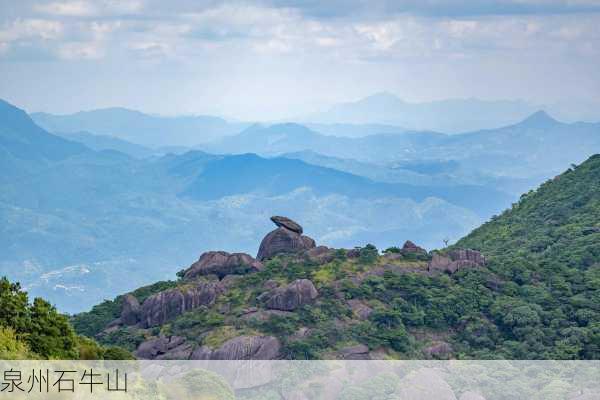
[[148, 130], [534, 147], [449, 116], [73, 205], [76, 221]]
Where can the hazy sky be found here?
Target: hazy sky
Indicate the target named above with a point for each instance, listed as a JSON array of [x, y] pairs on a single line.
[[271, 59]]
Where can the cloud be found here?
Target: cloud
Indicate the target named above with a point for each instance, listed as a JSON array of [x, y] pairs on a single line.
[[82, 8], [21, 29]]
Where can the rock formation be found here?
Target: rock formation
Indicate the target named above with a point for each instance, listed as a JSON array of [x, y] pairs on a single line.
[[287, 238], [164, 348], [410, 247], [456, 260], [166, 305], [360, 309], [320, 255], [130, 311], [241, 348], [292, 296], [221, 263], [358, 352], [438, 350], [285, 222]]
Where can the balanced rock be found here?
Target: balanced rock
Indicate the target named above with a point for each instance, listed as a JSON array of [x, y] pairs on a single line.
[[292, 296], [456, 260], [166, 305], [287, 223], [130, 311], [221, 263], [241, 348], [284, 240]]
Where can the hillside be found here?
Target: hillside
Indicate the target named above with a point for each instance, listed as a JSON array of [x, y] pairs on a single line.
[[529, 291]]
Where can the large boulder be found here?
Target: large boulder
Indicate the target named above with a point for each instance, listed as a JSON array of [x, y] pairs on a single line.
[[241, 348], [292, 296], [130, 311], [287, 238], [164, 348], [456, 260], [166, 305], [221, 263], [287, 223]]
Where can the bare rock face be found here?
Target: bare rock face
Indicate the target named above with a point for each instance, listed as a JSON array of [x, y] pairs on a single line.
[[292, 296], [241, 348], [410, 247], [221, 263], [358, 352], [287, 223], [467, 255], [164, 348], [287, 238], [456, 260], [166, 305], [130, 312], [360, 309]]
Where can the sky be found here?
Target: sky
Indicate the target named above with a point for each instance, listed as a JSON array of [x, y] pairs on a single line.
[[268, 60]]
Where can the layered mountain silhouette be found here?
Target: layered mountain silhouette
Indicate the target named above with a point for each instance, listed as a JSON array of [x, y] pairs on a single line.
[[71, 211], [148, 130], [449, 116]]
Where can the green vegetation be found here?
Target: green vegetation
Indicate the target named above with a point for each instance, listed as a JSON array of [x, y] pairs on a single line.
[[37, 331], [545, 259], [538, 297]]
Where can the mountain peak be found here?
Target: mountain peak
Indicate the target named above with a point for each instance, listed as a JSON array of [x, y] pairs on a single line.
[[539, 119]]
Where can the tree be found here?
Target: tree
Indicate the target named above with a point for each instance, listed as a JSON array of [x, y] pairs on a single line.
[[50, 334]]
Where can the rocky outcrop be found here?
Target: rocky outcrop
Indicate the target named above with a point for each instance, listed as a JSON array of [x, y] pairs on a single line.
[[320, 255], [164, 306], [360, 309], [130, 311], [292, 296], [287, 238], [409, 247], [456, 260], [241, 348], [221, 263], [358, 352], [439, 350], [164, 348]]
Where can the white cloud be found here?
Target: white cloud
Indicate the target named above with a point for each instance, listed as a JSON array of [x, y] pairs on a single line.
[[30, 29], [96, 8]]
